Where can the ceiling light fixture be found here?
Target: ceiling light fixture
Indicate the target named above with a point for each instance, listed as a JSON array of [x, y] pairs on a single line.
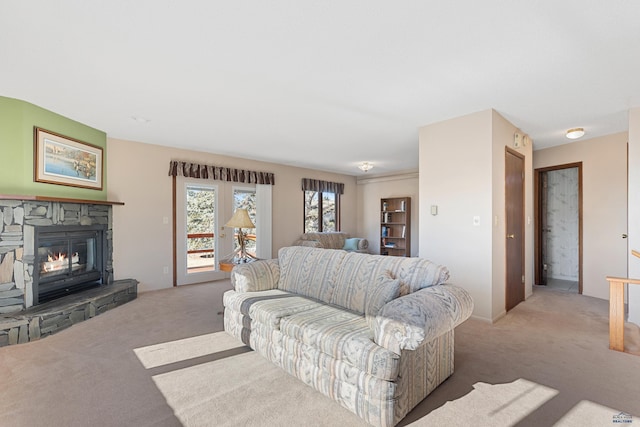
[[365, 166], [575, 133], [139, 119]]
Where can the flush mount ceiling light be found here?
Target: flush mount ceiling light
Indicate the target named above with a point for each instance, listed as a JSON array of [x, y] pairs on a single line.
[[575, 133], [140, 119], [365, 166]]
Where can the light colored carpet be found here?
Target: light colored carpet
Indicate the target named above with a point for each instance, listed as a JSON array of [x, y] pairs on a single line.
[[246, 390], [162, 361]]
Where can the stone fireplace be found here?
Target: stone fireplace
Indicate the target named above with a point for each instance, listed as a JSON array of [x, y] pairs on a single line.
[[22, 222], [56, 265]]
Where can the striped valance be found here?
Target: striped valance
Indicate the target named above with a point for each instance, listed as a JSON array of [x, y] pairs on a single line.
[[309, 184], [217, 173]]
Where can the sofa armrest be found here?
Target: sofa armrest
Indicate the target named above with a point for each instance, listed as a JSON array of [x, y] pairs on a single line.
[[256, 276], [363, 245], [408, 321]]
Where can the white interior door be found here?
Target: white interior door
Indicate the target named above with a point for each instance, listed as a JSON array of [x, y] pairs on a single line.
[[199, 231]]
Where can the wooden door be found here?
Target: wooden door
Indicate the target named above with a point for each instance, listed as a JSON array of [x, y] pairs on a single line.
[[514, 203]]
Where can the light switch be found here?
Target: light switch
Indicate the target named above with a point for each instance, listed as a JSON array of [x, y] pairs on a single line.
[[476, 220], [434, 210]]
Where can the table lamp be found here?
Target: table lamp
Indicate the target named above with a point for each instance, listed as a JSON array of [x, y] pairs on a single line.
[[240, 220]]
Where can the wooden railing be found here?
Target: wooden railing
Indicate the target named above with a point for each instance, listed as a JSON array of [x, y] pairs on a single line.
[[200, 236], [616, 308], [616, 311], [210, 235]]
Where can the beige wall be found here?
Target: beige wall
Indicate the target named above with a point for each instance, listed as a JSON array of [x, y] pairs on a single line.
[[462, 172], [455, 175], [138, 176], [604, 206], [371, 190]]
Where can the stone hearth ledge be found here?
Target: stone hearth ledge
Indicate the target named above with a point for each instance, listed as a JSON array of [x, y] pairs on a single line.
[[53, 316]]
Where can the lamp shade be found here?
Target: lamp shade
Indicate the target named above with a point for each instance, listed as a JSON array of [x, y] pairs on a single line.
[[240, 219]]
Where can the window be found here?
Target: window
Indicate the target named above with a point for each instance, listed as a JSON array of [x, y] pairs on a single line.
[[321, 205], [320, 211]]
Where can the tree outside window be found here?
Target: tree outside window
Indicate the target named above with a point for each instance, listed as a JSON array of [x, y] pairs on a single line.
[[246, 199], [321, 211]]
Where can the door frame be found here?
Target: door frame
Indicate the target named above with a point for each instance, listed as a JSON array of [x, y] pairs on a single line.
[[220, 241], [522, 157], [538, 219]]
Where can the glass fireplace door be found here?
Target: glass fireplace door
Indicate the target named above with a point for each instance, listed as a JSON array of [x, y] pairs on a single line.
[[67, 261]]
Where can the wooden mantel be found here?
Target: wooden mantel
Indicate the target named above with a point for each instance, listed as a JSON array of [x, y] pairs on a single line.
[[57, 199]]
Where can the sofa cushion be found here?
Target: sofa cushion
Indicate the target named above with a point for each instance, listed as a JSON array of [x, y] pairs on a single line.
[[342, 335], [328, 240], [267, 306], [271, 312], [386, 289], [358, 272], [309, 271], [308, 243], [241, 302]]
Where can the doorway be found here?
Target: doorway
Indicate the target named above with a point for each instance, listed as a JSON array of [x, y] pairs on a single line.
[[514, 213], [199, 208], [558, 223]]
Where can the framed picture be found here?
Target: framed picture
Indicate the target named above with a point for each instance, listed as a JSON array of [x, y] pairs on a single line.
[[66, 161]]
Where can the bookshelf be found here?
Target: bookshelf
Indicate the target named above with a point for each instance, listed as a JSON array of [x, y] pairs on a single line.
[[395, 226]]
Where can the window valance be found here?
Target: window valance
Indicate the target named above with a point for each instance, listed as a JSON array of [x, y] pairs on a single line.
[[309, 184], [217, 173]]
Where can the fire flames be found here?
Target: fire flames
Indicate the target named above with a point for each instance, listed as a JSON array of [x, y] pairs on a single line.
[[58, 262], [60, 257]]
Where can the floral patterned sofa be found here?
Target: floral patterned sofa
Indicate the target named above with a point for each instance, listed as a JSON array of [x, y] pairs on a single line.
[[375, 333], [333, 240]]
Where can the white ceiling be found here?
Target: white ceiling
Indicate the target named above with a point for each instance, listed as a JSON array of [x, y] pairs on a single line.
[[322, 84]]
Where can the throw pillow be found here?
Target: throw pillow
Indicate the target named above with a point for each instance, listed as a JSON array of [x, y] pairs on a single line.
[[386, 289], [351, 244]]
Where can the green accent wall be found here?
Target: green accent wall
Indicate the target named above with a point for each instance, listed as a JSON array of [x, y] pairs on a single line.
[[17, 120]]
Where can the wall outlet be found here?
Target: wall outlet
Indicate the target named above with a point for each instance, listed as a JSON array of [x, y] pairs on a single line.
[[476, 221]]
